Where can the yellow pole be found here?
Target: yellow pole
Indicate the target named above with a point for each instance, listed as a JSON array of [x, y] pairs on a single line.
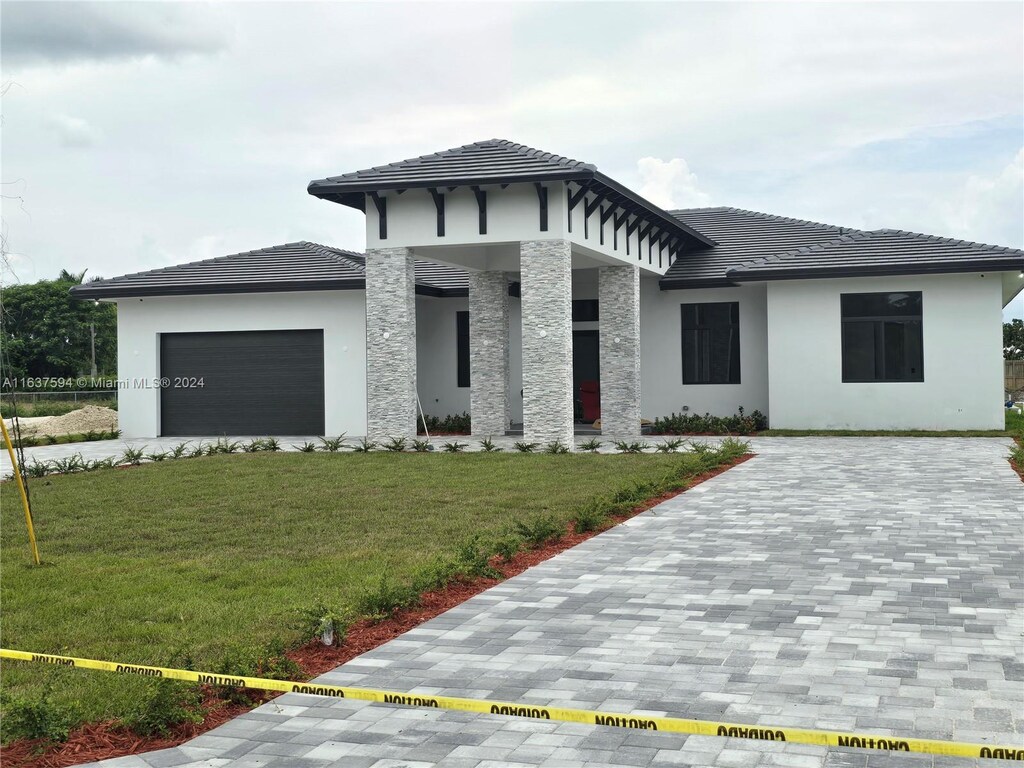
[[21, 490]]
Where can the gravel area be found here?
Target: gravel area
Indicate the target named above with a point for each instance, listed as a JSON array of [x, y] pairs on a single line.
[[88, 418]]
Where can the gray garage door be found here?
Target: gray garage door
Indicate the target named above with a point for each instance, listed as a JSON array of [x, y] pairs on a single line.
[[253, 383]]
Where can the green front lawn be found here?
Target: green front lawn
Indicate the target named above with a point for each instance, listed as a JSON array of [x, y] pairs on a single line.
[[197, 556]]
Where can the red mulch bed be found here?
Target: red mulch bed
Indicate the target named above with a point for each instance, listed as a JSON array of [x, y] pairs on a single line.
[[101, 741]]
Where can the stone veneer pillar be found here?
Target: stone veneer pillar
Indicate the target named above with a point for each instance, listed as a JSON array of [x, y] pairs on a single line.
[[390, 343], [619, 307], [488, 353], [546, 280]]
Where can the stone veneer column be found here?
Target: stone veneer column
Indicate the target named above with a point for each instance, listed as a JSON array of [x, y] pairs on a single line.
[[488, 353], [390, 343], [546, 280], [619, 307]]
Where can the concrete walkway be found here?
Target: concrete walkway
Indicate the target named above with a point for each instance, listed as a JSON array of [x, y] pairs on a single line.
[[841, 583]]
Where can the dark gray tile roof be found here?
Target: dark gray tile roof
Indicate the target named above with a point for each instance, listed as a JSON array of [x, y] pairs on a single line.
[[880, 252], [740, 236], [495, 161], [484, 162], [301, 266]]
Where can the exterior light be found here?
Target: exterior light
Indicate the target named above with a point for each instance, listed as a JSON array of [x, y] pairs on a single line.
[[386, 335]]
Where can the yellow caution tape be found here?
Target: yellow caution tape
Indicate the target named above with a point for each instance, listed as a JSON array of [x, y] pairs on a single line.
[[590, 717]]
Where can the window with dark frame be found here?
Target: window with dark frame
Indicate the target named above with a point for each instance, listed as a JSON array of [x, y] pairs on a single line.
[[462, 348], [882, 339], [711, 342], [585, 311]]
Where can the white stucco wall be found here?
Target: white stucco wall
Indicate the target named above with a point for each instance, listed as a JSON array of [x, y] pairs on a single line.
[[513, 215], [437, 357], [661, 355], [963, 367], [340, 314]]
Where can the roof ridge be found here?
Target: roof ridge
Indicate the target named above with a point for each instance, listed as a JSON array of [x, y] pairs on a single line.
[[950, 240]]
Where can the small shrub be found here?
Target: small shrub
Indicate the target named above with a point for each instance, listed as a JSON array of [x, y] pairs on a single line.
[[487, 445], [166, 703], [508, 547], [524, 447], [731, 448], [92, 466], [454, 447], [50, 439], [438, 574], [395, 444], [306, 447], [271, 444], [421, 446], [635, 446], [670, 446], [273, 663], [323, 623], [197, 450], [223, 445], [36, 718], [556, 447], [158, 456], [92, 436], [179, 450], [539, 530], [473, 559], [253, 446], [68, 464], [332, 444], [37, 468], [590, 445], [635, 492], [384, 598], [590, 517], [1017, 455], [364, 446], [133, 456]]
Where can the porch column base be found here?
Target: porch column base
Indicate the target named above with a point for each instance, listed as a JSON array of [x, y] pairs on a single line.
[[619, 307], [488, 353], [546, 280], [390, 343]]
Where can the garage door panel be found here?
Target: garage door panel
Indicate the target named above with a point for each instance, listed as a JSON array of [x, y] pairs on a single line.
[[254, 383]]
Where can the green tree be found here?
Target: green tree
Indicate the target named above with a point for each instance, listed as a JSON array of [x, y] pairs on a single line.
[[1013, 339], [46, 333]]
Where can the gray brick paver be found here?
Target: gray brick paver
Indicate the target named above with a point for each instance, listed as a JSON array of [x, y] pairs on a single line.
[[870, 583]]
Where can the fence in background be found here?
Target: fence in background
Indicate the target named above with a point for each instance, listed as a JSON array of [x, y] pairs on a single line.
[[1013, 375]]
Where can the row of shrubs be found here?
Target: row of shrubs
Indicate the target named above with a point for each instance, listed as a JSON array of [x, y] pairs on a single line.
[[168, 703], [452, 424], [31, 441], [676, 424], [30, 408], [694, 424], [136, 456]]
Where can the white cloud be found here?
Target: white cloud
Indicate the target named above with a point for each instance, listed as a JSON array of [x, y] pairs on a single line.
[[73, 131], [993, 204], [671, 184]]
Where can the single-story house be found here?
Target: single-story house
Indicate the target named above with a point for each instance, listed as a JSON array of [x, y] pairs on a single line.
[[516, 284]]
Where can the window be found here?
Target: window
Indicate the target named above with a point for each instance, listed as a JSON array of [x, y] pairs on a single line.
[[585, 311], [882, 337], [462, 349], [711, 343]]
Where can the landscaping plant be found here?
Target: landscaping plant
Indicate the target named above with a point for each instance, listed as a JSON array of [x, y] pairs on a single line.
[[395, 444], [487, 445], [454, 447], [556, 447], [538, 530], [524, 447]]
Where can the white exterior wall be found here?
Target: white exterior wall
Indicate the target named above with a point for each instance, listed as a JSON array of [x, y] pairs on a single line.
[[437, 356], [340, 314], [661, 355], [513, 215], [963, 367]]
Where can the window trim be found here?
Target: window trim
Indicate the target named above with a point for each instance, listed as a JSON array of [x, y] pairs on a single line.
[[875, 321], [684, 328]]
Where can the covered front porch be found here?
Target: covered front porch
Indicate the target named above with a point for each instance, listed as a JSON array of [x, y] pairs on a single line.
[[533, 232]]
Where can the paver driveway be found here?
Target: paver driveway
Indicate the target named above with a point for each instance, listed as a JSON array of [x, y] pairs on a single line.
[[841, 583]]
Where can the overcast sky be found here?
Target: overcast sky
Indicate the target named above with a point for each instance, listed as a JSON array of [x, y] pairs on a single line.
[[139, 135]]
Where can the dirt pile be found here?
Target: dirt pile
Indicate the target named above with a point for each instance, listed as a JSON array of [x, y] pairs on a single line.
[[87, 419]]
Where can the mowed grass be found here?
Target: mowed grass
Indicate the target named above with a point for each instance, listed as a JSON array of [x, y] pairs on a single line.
[[190, 558]]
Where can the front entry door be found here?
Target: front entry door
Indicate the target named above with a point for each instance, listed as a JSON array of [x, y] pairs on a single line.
[[586, 362]]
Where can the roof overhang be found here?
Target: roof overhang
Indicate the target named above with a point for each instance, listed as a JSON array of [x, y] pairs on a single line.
[[752, 274]]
